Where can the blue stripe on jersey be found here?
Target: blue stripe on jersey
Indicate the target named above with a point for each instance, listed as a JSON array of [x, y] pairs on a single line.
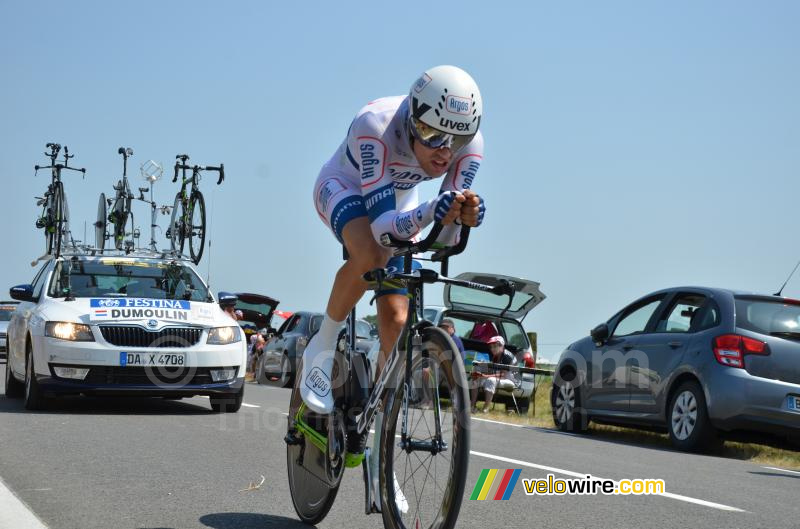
[[379, 201], [350, 157], [344, 212]]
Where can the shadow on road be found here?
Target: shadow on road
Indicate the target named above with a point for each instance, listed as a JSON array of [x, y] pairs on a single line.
[[776, 475], [110, 406], [237, 520]]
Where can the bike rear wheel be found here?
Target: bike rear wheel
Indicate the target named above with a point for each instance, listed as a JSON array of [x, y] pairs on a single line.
[[197, 228], [176, 234], [312, 497], [100, 224], [433, 484]]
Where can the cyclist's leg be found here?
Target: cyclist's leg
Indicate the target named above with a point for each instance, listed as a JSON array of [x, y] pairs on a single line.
[[392, 314], [340, 205]]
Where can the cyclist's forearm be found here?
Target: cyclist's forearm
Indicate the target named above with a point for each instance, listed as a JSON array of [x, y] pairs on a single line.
[[403, 224]]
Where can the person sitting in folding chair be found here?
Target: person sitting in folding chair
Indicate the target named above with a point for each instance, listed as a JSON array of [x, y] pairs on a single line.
[[490, 382]]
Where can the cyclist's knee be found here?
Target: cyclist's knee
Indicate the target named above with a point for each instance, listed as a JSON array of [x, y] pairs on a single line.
[[369, 258]]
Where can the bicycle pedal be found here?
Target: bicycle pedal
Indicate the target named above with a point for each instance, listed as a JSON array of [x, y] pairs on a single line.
[[292, 438]]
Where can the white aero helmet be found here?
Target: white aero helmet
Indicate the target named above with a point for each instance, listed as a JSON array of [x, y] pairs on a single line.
[[445, 108]]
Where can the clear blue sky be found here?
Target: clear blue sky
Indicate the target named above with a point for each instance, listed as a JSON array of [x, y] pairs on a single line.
[[630, 145]]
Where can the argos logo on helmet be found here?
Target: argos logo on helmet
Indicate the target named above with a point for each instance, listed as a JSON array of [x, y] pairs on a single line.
[[458, 105], [422, 82]]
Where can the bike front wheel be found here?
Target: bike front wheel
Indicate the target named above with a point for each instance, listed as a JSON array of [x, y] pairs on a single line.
[[197, 228], [432, 484], [312, 497], [176, 235]]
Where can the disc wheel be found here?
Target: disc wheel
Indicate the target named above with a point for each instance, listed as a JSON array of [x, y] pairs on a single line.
[[176, 233], [100, 224], [312, 497], [418, 488], [197, 229]]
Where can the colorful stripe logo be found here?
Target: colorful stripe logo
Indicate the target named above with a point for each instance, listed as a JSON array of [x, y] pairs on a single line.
[[496, 484]]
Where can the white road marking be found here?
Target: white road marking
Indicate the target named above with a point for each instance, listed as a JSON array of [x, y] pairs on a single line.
[[14, 513], [246, 405], [555, 470], [783, 470], [498, 422]]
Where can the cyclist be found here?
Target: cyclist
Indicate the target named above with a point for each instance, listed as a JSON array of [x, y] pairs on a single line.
[[368, 188]]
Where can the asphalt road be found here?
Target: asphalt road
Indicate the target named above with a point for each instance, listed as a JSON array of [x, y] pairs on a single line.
[[151, 463]]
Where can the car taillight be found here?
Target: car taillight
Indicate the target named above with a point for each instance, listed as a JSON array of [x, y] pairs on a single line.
[[729, 349]]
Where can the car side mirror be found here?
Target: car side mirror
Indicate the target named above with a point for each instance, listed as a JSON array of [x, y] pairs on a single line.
[[22, 293], [373, 333], [600, 334]]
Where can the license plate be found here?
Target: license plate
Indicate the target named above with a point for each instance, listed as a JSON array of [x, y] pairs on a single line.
[[152, 359], [793, 403]]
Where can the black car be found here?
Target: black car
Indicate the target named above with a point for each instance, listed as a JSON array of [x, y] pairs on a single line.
[[701, 363], [279, 359]]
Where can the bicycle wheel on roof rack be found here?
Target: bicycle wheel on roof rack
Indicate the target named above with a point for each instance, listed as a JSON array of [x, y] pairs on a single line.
[[100, 224], [176, 222], [55, 229], [197, 227]]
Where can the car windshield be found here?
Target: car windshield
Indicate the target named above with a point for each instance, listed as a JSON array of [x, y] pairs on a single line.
[[125, 277], [6, 311], [767, 316]]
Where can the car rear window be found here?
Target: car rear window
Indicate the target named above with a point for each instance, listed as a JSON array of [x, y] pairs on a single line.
[[767, 316]]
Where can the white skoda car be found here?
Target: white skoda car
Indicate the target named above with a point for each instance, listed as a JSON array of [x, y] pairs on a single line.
[[132, 325]]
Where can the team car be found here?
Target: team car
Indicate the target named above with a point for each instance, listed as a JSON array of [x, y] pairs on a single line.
[[134, 325]]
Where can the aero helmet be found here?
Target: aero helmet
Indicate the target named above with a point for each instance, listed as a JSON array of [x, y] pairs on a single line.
[[445, 108]]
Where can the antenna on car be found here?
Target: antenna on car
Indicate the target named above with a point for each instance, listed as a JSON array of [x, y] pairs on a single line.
[[778, 293]]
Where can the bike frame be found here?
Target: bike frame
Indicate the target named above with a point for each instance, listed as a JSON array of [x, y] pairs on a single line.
[[55, 179], [413, 341]]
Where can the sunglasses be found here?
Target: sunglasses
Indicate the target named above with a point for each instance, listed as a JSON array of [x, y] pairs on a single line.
[[434, 138]]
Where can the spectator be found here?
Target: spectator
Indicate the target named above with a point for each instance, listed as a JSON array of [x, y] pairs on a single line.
[[450, 328], [257, 342], [488, 381], [484, 331], [227, 302]]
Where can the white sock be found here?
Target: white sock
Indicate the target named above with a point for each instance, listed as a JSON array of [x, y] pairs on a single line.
[[316, 385]]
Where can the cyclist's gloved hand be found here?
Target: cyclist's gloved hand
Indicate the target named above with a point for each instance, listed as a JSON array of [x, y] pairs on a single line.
[[472, 210], [447, 207]]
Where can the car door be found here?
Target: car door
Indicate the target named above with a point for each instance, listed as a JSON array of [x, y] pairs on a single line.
[[609, 365], [664, 349], [21, 321]]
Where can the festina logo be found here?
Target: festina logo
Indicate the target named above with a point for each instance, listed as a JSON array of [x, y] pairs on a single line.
[[454, 125]]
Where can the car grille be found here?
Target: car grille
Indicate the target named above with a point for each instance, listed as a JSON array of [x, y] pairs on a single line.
[[132, 336], [169, 377]]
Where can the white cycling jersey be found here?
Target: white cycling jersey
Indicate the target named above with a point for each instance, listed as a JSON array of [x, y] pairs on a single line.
[[374, 174]]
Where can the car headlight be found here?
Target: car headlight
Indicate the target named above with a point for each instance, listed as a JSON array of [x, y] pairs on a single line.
[[64, 330], [223, 335]]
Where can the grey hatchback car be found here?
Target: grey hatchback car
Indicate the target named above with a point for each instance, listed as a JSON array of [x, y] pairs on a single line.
[[702, 363]]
